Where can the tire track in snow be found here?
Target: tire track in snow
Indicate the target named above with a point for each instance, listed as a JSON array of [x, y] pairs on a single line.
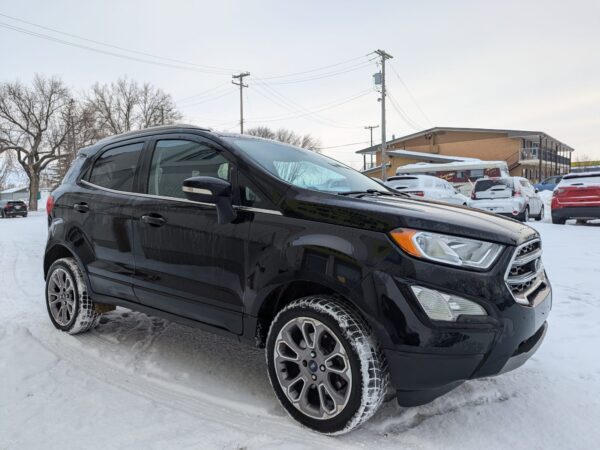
[[199, 404]]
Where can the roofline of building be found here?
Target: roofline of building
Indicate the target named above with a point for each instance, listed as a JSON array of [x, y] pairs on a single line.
[[510, 133]]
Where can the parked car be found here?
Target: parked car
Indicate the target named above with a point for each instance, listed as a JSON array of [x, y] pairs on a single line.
[[428, 188], [349, 286], [509, 196], [12, 208], [548, 184], [577, 196]]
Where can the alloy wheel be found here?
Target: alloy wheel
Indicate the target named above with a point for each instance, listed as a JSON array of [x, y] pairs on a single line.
[[313, 368], [61, 296]]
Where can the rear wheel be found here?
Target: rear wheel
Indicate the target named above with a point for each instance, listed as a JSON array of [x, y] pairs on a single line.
[[558, 220], [540, 215], [324, 365], [525, 215], [69, 306]]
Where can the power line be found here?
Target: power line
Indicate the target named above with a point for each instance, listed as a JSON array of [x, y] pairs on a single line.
[[318, 69], [343, 145], [403, 115], [325, 75], [414, 100], [204, 93], [299, 111], [208, 100], [116, 47], [104, 52]]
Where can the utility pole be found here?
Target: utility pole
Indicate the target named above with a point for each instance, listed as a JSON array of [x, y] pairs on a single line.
[[370, 128], [241, 76], [383, 56]]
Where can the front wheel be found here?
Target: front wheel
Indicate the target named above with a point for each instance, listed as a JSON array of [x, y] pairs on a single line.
[[324, 365], [69, 306]]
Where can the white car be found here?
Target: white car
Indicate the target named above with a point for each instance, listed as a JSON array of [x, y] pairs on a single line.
[[509, 196], [427, 187]]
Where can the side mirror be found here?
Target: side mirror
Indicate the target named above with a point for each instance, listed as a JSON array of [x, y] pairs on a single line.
[[537, 190], [211, 190]]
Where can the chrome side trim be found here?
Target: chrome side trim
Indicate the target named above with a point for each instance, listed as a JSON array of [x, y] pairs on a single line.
[[194, 190], [182, 200]]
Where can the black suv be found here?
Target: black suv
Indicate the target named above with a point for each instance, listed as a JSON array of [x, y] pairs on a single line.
[[355, 291], [12, 208]]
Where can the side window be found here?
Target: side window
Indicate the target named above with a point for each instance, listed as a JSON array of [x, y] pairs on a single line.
[[115, 168], [250, 195], [173, 161]]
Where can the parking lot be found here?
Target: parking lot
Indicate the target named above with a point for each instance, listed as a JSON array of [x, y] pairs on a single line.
[[147, 382]]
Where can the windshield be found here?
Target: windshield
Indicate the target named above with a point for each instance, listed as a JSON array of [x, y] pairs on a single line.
[[305, 168]]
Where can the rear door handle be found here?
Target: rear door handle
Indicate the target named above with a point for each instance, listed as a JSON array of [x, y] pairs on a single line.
[[155, 220], [81, 207]]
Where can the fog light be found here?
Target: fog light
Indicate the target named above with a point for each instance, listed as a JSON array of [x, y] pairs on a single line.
[[440, 306]]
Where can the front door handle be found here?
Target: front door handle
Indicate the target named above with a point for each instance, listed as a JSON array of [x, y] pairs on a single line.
[[154, 220], [81, 207]]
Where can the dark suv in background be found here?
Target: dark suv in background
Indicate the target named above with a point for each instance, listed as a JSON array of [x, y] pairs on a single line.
[[353, 289], [12, 208]]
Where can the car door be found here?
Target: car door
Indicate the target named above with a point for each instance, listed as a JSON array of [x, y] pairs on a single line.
[[185, 262], [100, 216]]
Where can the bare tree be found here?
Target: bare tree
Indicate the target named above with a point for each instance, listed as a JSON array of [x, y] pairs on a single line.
[[125, 105], [7, 167], [287, 136], [34, 125]]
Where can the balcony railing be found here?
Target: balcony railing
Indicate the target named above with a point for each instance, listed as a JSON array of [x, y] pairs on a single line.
[[547, 155]]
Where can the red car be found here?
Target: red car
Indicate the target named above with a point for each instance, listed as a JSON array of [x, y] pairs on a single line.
[[577, 196]]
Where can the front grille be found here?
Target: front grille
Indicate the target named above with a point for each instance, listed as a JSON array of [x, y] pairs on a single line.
[[525, 276]]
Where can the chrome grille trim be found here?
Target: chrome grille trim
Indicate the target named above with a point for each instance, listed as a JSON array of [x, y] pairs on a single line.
[[525, 273]]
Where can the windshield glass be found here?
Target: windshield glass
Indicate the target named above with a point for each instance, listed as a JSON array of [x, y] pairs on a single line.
[[305, 168]]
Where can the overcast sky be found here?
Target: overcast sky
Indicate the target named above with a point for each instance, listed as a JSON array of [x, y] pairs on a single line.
[[519, 64]]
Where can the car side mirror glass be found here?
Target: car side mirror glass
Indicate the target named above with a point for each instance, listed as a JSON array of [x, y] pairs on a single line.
[[211, 190]]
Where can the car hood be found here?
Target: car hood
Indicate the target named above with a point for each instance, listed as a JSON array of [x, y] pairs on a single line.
[[385, 213]]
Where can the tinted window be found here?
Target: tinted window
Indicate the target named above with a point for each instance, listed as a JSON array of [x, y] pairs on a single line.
[[173, 161], [484, 185], [74, 170], [115, 168], [250, 195], [403, 183]]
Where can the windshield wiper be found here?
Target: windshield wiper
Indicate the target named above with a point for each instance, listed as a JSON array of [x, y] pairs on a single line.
[[376, 192]]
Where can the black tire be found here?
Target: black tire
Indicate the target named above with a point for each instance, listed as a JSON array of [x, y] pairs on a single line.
[[524, 216], [3, 215], [363, 353], [540, 215], [558, 220], [84, 316]]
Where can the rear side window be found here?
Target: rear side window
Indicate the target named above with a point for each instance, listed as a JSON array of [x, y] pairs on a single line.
[[74, 170], [115, 168], [173, 161], [484, 185]]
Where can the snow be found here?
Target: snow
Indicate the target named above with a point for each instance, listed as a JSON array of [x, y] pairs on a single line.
[[142, 382]]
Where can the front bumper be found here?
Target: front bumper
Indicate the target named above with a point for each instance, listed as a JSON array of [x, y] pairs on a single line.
[[429, 358]]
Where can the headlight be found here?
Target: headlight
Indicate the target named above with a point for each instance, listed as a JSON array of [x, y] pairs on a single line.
[[440, 306], [443, 248]]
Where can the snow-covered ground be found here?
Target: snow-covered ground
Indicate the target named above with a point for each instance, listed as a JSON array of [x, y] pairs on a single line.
[[143, 382]]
